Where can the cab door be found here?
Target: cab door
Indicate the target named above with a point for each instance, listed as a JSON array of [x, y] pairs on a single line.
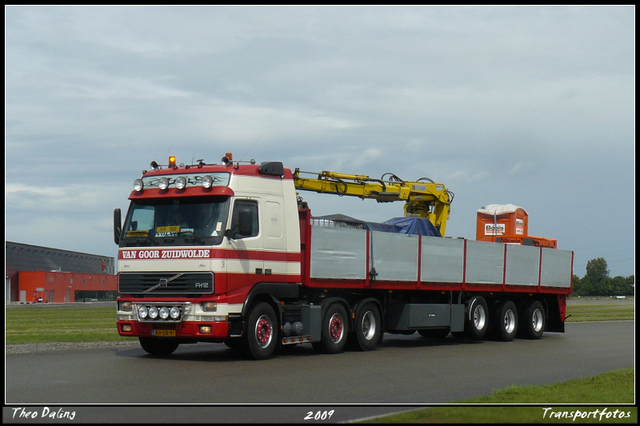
[[245, 260]]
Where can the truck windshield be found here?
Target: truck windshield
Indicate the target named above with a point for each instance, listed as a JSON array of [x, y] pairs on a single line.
[[175, 221]]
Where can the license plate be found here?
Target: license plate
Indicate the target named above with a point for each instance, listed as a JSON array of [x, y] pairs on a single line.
[[163, 333]]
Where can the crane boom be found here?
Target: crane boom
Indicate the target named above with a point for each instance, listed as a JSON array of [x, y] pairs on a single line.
[[423, 198]]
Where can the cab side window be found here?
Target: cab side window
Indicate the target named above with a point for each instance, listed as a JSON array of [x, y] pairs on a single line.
[[245, 218]]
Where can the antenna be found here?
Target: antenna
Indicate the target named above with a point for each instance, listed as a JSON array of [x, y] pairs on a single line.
[[251, 147]]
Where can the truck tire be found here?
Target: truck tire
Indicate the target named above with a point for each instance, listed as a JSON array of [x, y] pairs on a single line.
[[533, 320], [333, 335], [158, 346], [261, 337], [477, 321], [368, 326], [505, 321]]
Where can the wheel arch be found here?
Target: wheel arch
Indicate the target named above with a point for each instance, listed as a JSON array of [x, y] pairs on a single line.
[[271, 293], [336, 299]]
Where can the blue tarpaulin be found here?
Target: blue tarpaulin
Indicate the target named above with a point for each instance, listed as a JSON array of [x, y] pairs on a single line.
[[414, 225], [398, 225]]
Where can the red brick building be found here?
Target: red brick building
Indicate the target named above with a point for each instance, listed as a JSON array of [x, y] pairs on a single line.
[[47, 275], [60, 287]]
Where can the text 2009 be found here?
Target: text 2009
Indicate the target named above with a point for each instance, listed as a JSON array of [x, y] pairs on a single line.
[[319, 415]]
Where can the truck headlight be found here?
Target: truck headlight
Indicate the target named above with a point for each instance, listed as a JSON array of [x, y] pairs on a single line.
[[174, 312], [164, 312], [153, 312], [209, 306], [143, 312]]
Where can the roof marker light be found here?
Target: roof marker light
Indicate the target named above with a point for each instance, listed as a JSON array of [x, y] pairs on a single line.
[[163, 183], [181, 182], [138, 185], [172, 161]]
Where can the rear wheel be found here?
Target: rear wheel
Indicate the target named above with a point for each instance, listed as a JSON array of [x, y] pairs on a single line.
[[533, 320], [158, 346], [261, 337], [477, 321], [368, 326], [333, 336], [505, 323]]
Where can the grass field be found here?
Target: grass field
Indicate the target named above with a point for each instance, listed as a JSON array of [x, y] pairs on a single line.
[[61, 323], [605, 311], [615, 387]]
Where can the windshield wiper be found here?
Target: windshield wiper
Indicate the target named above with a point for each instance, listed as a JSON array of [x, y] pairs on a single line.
[[194, 239], [146, 241]]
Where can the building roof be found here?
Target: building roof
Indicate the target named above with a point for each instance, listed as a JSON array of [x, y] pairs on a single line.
[[27, 257]]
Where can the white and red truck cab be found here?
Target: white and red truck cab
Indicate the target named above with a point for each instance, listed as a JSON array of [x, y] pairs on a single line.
[[229, 253]]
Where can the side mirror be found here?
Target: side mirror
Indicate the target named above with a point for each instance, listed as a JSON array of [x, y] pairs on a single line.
[[117, 225], [244, 225]]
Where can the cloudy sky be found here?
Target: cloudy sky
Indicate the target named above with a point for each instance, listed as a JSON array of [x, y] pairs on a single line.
[[532, 106]]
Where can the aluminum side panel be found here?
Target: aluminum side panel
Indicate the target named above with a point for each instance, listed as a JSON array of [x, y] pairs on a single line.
[[523, 265], [485, 262], [442, 260], [556, 268], [395, 256], [338, 253]]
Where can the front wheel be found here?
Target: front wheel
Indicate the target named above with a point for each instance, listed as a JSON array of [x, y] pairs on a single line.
[[261, 337], [158, 346]]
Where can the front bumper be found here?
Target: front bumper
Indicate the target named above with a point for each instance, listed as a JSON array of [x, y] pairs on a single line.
[[192, 320], [199, 330]]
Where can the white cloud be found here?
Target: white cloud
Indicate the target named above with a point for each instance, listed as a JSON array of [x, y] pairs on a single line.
[[522, 167]]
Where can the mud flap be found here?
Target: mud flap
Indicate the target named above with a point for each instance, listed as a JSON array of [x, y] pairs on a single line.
[[457, 318]]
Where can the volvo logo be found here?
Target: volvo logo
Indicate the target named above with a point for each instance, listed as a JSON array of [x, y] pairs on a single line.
[[163, 282]]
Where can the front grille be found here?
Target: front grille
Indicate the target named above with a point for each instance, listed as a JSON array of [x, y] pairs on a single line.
[[165, 283]]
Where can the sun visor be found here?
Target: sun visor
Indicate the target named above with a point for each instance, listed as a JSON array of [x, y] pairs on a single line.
[[273, 168]]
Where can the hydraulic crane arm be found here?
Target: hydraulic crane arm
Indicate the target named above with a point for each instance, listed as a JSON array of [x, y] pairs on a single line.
[[423, 198]]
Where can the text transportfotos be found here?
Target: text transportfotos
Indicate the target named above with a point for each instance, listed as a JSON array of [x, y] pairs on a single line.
[[597, 414]]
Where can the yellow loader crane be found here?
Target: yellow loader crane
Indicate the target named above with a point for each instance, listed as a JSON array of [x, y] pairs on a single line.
[[423, 198]]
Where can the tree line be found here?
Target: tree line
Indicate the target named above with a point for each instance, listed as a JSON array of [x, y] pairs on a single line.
[[597, 281]]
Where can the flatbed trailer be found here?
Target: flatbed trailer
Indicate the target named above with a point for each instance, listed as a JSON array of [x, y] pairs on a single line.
[[258, 271]]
